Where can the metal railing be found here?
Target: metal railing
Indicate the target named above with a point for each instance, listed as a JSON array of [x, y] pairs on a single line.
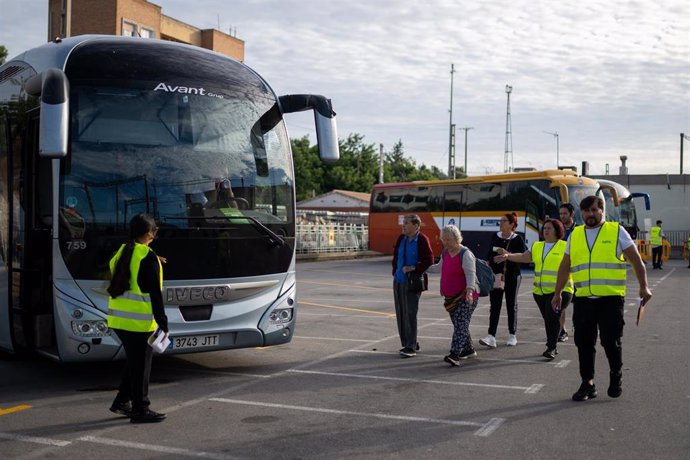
[[677, 238], [331, 237]]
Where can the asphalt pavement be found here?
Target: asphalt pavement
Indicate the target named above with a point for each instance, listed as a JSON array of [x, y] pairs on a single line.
[[340, 389]]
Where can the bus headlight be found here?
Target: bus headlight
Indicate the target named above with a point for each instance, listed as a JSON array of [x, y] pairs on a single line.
[[98, 328], [280, 316]]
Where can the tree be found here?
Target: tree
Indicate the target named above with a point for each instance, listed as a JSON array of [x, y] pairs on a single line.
[[308, 169], [3, 54]]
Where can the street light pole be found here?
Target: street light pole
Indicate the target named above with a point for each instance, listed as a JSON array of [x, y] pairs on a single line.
[[466, 128], [558, 159], [451, 133]]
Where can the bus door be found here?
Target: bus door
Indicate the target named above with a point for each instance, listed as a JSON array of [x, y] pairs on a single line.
[[30, 221], [530, 225]]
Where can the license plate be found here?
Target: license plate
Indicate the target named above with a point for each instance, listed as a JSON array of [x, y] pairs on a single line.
[[194, 341]]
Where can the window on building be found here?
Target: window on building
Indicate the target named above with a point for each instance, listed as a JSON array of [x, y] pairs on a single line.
[[129, 29], [147, 33]]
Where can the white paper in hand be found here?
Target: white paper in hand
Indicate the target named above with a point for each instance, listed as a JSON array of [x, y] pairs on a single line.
[[159, 341]]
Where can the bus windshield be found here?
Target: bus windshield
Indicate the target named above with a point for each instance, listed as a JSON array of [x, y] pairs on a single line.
[[197, 156], [576, 193]]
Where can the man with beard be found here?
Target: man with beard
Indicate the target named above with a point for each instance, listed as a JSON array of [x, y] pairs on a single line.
[[594, 255]]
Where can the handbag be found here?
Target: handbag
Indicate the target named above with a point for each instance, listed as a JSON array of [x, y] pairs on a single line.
[[500, 278], [415, 282]]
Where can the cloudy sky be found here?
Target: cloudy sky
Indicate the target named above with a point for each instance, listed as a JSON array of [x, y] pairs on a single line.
[[611, 77]]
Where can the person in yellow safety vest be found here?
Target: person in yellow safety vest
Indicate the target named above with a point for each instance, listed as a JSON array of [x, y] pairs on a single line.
[[135, 309], [594, 255], [547, 256], [656, 241]]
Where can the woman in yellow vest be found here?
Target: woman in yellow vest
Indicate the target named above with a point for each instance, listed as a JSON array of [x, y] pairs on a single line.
[[547, 256], [135, 309]]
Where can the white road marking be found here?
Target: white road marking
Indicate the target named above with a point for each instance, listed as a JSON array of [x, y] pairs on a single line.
[[153, 447], [484, 430], [562, 363], [529, 389], [479, 358], [34, 439], [331, 338]]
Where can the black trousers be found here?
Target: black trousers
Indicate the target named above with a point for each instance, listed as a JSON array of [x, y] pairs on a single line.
[[552, 321], [406, 306], [656, 256], [605, 315], [496, 298], [134, 385]]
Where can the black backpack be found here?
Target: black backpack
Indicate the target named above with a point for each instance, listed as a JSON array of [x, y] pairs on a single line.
[[485, 276]]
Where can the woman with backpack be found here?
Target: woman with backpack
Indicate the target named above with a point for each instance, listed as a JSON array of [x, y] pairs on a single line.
[[547, 256], [460, 292]]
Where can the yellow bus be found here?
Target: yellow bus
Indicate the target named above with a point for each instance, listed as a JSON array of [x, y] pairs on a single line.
[[476, 204]]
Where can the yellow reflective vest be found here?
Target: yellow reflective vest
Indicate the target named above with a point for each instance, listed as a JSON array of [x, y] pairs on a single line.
[[598, 272], [546, 267], [133, 311], [655, 236]]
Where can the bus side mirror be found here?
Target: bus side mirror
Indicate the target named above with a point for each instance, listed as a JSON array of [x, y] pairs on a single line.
[[647, 201], [324, 118], [53, 88]]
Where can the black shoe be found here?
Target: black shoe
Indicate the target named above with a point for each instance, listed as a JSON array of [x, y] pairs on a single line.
[[122, 408], [417, 347], [146, 416], [550, 354], [585, 392], [407, 352], [453, 359], [465, 354], [563, 336], [615, 385]]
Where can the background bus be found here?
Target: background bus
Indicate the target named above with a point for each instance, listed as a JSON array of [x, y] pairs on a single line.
[[127, 125], [475, 205], [623, 210]]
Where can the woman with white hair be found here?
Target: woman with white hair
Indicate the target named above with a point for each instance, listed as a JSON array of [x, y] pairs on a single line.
[[459, 289]]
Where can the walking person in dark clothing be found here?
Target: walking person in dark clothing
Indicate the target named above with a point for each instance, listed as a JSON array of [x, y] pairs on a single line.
[[135, 310], [506, 239], [412, 254], [596, 255]]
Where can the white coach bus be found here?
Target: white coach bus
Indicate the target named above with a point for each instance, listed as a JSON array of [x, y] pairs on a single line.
[[95, 129]]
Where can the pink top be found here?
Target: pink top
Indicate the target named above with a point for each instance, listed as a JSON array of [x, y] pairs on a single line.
[[453, 276]]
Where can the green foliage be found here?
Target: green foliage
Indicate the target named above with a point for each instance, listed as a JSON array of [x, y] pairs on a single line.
[[3, 54], [358, 167]]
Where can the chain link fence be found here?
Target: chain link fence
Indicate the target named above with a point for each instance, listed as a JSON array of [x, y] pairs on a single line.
[[332, 237]]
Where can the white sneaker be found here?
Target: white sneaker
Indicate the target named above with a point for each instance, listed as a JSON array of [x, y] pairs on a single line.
[[488, 341], [512, 340]]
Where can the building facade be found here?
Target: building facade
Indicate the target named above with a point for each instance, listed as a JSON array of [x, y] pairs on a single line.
[[134, 18]]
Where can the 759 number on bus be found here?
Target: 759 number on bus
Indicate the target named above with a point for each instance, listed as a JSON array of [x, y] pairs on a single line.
[[76, 244]]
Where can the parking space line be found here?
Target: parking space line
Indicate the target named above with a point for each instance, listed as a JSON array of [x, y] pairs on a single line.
[[337, 307], [529, 389], [481, 358], [34, 439], [337, 339], [152, 447], [349, 286], [485, 429]]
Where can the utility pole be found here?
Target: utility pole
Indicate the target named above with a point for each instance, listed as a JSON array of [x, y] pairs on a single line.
[[380, 163], [558, 159], [509, 134], [682, 136], [466, 128], [451, 135]]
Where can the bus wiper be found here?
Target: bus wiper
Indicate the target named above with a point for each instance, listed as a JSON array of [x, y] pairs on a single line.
[[275, 239]]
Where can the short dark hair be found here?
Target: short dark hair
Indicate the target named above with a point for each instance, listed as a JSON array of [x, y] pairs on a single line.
[[414, 218], [658, 222], [557, 226], [588, 201], [568, 206]]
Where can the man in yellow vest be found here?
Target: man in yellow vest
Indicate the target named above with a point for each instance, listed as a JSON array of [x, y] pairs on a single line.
[[594, 255], [656, 241]]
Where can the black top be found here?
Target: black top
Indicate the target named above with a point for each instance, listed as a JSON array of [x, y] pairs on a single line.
[[149, 282], [515, 244]]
